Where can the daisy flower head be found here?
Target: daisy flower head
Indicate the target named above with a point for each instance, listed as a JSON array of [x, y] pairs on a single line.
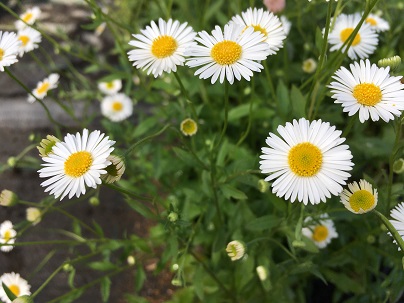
[[229, 54], [75, 163], [360, 198], [117, 107], [307, 161], [115, 170], [161, 48], [29, 38], [7, 236], [397, 213], [110, 87], [321, 231], [264, 22], [42, 88], [364, 43], [9, 48], [188, 127], [17, 285], [235, 250], [377, 23], [28, 17], [368, 89]]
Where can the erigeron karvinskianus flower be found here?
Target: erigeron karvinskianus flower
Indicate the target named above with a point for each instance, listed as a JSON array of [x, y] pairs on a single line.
[[377, 23], [75, 163], [232, 53], [161, 48], [46, 145], [320, 231], [235, 250], [115, 170], [33, 215], [17, 285], [7, 236], [110, 87], [8, 198], [309, 65], [370, 90], [363, 44], [307, 161], [28, 17], [42, 88], [188, 127], [397, 213], [9, 48], [359, 198], [29, 38], [265, 23], [117, 107]]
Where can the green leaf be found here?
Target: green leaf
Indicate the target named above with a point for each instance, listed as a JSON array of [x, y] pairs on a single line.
[[344, 282], [263, 223], [282, 93], [105, 288], [298, 102], [319, 40], [239, 112], [184, 156], [102, 265], [140, 208], [70, 278], [232, 192], [140, 278], [98, 229], [8, 292], [144, 126]]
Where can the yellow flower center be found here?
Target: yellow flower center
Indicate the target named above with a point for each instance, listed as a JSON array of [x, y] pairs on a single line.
[[1, 54], [14, 289], [24, 40], [367, 94], [362, 199], [305, 159], [110, 85], [27, 17], [320, 233], [164, 46], [7, 235], [43, 88], [344, 35], [258, 28], [226, 52], [189, 127], [371, 21], [78, 164], [117, 106]]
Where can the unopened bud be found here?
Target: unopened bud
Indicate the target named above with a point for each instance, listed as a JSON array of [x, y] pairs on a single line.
[[398, 166], [393, 62], [173, 216], [131, 260], [12, 161], [8, 198], [23, 299], [94, 201], [263, 186]]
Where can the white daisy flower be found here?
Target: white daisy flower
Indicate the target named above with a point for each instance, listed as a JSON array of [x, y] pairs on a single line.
[[33, 215], [29, 38], [360, 198], [397, 214], [28, 17], [43, 87], [9, 47], [286, 24], [110, 87], [364, 43], [370, 90], [161, 48], [377, 23], [117, 107], [321, 231], [7, 236], [231, 54], [18, 286], [266, 23], [77, 161], [235, 250], [307, 161]]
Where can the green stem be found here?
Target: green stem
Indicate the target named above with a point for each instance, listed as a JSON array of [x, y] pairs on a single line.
[[276, 242], [185, 95], [391, 161], [348, 128], [247, 131], [392, 230], [226, 114], [270, 82]]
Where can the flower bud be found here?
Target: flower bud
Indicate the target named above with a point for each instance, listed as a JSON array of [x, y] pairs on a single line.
[[8, 198], [172, 216], [262, 273], [235, 250], [398, 166], [33, 215], [23, 299], [393, 62]]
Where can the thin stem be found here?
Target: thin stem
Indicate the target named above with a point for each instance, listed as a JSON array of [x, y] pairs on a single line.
[[270, 82], [39, 289], [277, 243], [348, 128], [226, 114], [391, 162], [392, 230], [185, 95], [247, 131]]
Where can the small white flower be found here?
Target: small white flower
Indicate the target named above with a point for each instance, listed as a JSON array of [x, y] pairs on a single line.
[[266, 23], [43, 87], [7, 236], [111, 87], [230, 54], [189, 127], [8, 198], [235, 250], [75, 163], [29, 17], [321, 231], [9, 48], [370, 90], [161, 48], [397, 213], [117, 107], [17, 285], [262, 272], [33, 215], [309, 65], [360, 198], [307, 162], [377, 23], [364, 43], [115, 170], [29, 38]]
